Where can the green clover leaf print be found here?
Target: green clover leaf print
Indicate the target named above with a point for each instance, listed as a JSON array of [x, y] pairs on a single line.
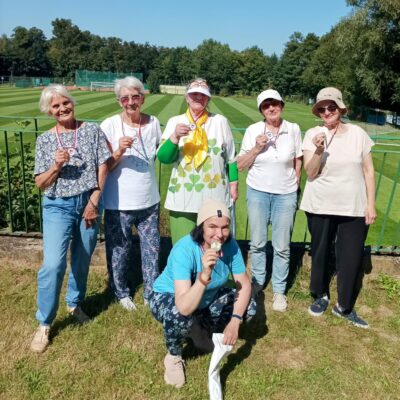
[[175, 186], [181, 171], [194, 179], [212, 182], [212, 146], [207, 164]]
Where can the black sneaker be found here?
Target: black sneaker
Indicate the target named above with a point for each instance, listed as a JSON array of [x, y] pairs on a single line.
[[351, 317], [318, 307]]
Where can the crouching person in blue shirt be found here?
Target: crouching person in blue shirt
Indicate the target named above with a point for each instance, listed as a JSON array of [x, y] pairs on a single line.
[[190, 298]]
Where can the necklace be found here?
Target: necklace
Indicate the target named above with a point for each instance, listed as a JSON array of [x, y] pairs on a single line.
[[139, 133], [71, 150], [138, 137], [193, 126], [327, 144], [270, 135]]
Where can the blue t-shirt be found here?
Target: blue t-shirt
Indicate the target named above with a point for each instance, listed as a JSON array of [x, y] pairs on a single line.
[[184, 263]]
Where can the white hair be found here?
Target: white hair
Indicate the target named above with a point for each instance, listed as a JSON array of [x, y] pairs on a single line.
[[130, 82], [49, 92]]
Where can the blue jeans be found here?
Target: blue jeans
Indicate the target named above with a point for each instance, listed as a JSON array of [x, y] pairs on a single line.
[[63, 224], [265, 208], [119, 242]]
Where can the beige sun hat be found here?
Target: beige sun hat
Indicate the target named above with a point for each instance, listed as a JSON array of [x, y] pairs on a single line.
[[329, 93], [212, 208]]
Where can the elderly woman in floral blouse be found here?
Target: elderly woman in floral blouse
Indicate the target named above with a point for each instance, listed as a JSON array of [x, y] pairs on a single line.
[[70, 167], [200, 145]]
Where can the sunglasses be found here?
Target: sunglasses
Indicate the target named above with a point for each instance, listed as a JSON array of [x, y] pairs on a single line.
[[200, 83], [134, 97], [330, 108], [268, 103]]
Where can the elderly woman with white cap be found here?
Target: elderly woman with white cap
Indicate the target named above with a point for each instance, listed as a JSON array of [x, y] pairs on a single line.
[[190, 298], [271, 151], [339, 201], [200, 145]]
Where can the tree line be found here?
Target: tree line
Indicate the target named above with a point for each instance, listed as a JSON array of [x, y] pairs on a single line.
[[360, 55]]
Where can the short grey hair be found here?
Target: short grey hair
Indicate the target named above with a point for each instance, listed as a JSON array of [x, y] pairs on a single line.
[[49, 92], [130, 82]]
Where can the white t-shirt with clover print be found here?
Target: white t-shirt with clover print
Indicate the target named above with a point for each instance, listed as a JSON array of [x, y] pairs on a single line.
[[188, 187]]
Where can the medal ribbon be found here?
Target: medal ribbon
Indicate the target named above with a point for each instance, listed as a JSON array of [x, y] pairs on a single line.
[[196, 147], [60, 141]]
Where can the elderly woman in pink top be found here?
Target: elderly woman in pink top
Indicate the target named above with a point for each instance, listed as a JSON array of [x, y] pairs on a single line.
[[339, 201]]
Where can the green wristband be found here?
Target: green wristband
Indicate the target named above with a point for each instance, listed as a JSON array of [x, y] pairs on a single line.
[[233, 173]]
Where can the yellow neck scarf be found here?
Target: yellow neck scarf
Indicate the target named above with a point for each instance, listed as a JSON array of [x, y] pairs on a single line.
[[196, 146]]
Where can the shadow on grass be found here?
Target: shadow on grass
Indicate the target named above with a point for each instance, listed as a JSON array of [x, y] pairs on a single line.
[[249, 332]]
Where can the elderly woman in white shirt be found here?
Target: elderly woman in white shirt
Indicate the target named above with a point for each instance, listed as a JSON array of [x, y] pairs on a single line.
[[131, 196], [271, 151]]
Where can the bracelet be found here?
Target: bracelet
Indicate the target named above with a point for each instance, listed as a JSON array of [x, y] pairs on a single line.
[[240, 318], [205, 283], [93, 205]]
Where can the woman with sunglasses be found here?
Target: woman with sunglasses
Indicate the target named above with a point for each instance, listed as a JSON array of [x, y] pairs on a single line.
[[200, 146], [70, 167], [271, 151], [339, 201], [191, 297], [131, 196]]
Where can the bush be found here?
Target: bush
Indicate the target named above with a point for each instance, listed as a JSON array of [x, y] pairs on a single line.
[[18, 195]]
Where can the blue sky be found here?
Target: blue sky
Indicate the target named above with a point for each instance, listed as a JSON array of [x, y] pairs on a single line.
[[171, 23]]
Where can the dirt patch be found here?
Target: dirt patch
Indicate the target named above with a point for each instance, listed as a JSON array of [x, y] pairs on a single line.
[[285, 355]]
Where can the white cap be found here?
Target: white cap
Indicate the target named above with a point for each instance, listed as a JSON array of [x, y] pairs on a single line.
[[200, 89], [268, 94]]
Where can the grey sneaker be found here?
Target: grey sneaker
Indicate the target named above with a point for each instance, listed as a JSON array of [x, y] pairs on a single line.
[[318, 307], [78, 314], [351, 317], [174, 370], [201, 338], [40, 341], [280, 302], [128, 304]]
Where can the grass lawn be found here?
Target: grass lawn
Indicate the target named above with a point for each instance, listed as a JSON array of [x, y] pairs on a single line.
[[119, 355], [240, 112]]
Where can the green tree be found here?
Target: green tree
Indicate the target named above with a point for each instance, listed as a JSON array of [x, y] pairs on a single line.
[[370, 39], [28, 50], [255, 70], [216, 63], [295, 59]]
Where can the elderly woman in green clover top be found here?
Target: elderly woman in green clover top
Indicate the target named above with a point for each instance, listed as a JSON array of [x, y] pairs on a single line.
[[200, 146]]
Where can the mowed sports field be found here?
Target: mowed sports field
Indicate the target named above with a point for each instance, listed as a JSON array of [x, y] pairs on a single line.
[[241, 112]]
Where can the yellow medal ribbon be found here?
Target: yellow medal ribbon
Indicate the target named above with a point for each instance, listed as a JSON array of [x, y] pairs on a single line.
[[196, 146]]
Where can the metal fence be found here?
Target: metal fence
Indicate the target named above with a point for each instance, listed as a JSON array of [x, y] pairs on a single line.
[[20, 199]]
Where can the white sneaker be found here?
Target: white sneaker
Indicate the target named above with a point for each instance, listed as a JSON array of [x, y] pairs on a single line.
[[128, 304], [174, 370], [78, 314], [280, 302], [41, 339]]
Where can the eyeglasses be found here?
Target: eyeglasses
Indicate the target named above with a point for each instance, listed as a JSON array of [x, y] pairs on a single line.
[[267, 103], [330, 108], [201, 83], [134, 97]]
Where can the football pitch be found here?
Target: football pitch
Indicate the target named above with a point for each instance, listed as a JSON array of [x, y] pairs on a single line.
[[19, 111]]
